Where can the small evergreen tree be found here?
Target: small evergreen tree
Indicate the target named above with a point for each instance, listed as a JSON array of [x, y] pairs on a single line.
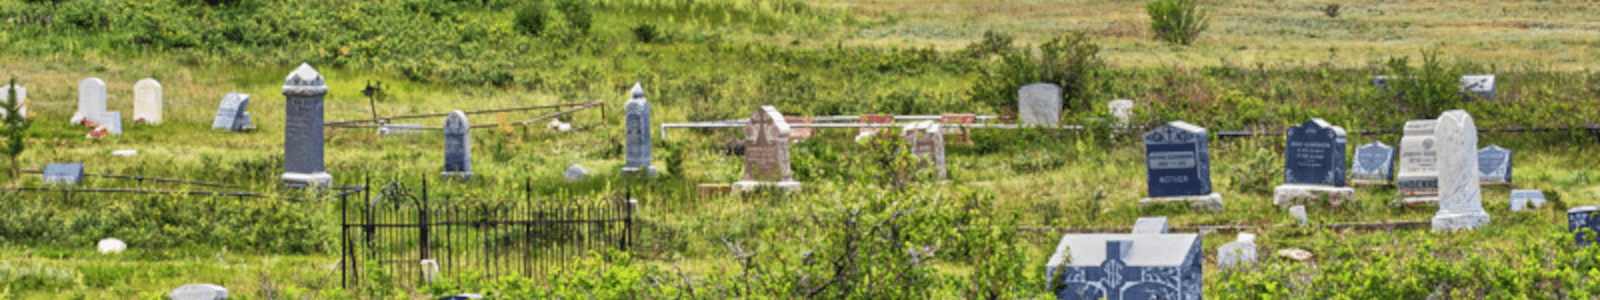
[[16, 128]]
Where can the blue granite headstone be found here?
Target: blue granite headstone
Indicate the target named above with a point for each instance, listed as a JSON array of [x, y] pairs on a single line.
[[1381, 82], [1130, 266], [302, 133], [1177, 160], [71, 173], [229, 112], [1315, 154], [1583, 217], [1373, 161], [1494, 164], [457, 145]]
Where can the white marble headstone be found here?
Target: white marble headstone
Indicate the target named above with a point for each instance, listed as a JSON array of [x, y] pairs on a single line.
[[92, 99], [147, 101], [1460, 200]]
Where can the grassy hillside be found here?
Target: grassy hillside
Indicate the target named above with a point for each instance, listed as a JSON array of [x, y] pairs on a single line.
[[1262, 66]]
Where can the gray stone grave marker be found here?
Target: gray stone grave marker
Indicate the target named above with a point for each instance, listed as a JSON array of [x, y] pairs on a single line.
[[92, 99], [457, 146], [1494, 165], [1150, 225], [927, 144], [303, 140], [1460, 200], [1178, 166], [199, 291], [1521, 199], [1238, 253], [147, 101], [575, 173], [1121, 111], [68, 173], [1299, 213], [112, 120], [1477, 86], [1039, 104], [230, 111], [1417, 179], [1374, 164], [637, 131], [766, 154]]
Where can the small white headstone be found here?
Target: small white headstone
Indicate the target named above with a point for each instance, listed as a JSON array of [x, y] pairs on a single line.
[[199, 291], [112, 245], [1150, 225], [147, 101], [575, 173], [92, 99], [1299, 212]]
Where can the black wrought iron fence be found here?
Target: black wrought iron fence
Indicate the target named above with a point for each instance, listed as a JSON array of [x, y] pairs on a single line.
[[416, 240]]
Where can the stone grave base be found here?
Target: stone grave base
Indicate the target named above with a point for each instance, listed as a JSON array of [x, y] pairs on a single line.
[[1304, 194], [1368, 182], [1459, 221], [714, 189], [321, 180], [1419, 200], [633, 171], [1494, 182], [747, 186], [463, 176], [1212, 202]]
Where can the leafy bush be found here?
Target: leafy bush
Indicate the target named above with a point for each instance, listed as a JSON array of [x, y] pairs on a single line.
[[531, 19], [1425, 91], [645, 33], [1332, 10], [1177, 21], [577, 14], [1068, 61]]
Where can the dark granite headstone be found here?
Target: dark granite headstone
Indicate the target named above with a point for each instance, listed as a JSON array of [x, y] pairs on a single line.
[[1126, 267], [71, 173], [1373, 161], [1583, 217], [230, 111], [1315, 154], [302, 134], [457, 145], [1494, 165], [1177, 160]]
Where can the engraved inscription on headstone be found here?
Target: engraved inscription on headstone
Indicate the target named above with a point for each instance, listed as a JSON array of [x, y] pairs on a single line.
[[303, 140], [766, 154], [147, 101], [1477, 86], [1178, 162], [230, 111], [457, 146], [1460, 200], [637, 127], [1417, 179], [1039, 104], [1494, 165], [1373, 162], [92, 99], [69, 173], [1315, 154]]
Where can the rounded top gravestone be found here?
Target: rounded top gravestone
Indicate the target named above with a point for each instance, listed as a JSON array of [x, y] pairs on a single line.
[[1460, 197], [1373, 161], [457, 144], [92, 99], [147, 101], [1314, 154], [1177, 160], [637, 131]]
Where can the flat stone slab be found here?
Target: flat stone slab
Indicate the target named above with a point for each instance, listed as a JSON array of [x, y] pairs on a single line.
[[1459, 221], [749, 186], [1419, 200], [1150, 225], [1305, 194], [1211, 202], [199, 291], [1522, 199]]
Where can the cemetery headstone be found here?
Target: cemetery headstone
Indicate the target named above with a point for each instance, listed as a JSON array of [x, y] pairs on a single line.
[[22, 98], [1178, 166], [244, 123], [230, 111], [766, 154], [147, 101], [92, 99], [124, 152], [1126, 266], [457, 146], [1313, 168], [399, 129], [1494, 165], [1460, 200], [927, 144], [1039, 104], [199, 291], [68, 173], [303, 140], [1381, 81], [1238, 253], [111, 245], [1521, 199], [575, 173], [1477, 86], [1299, 213], [112, 120], [637, 132], [1584, 217], [1417, 179], [1150, 225], [1374, 164]]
